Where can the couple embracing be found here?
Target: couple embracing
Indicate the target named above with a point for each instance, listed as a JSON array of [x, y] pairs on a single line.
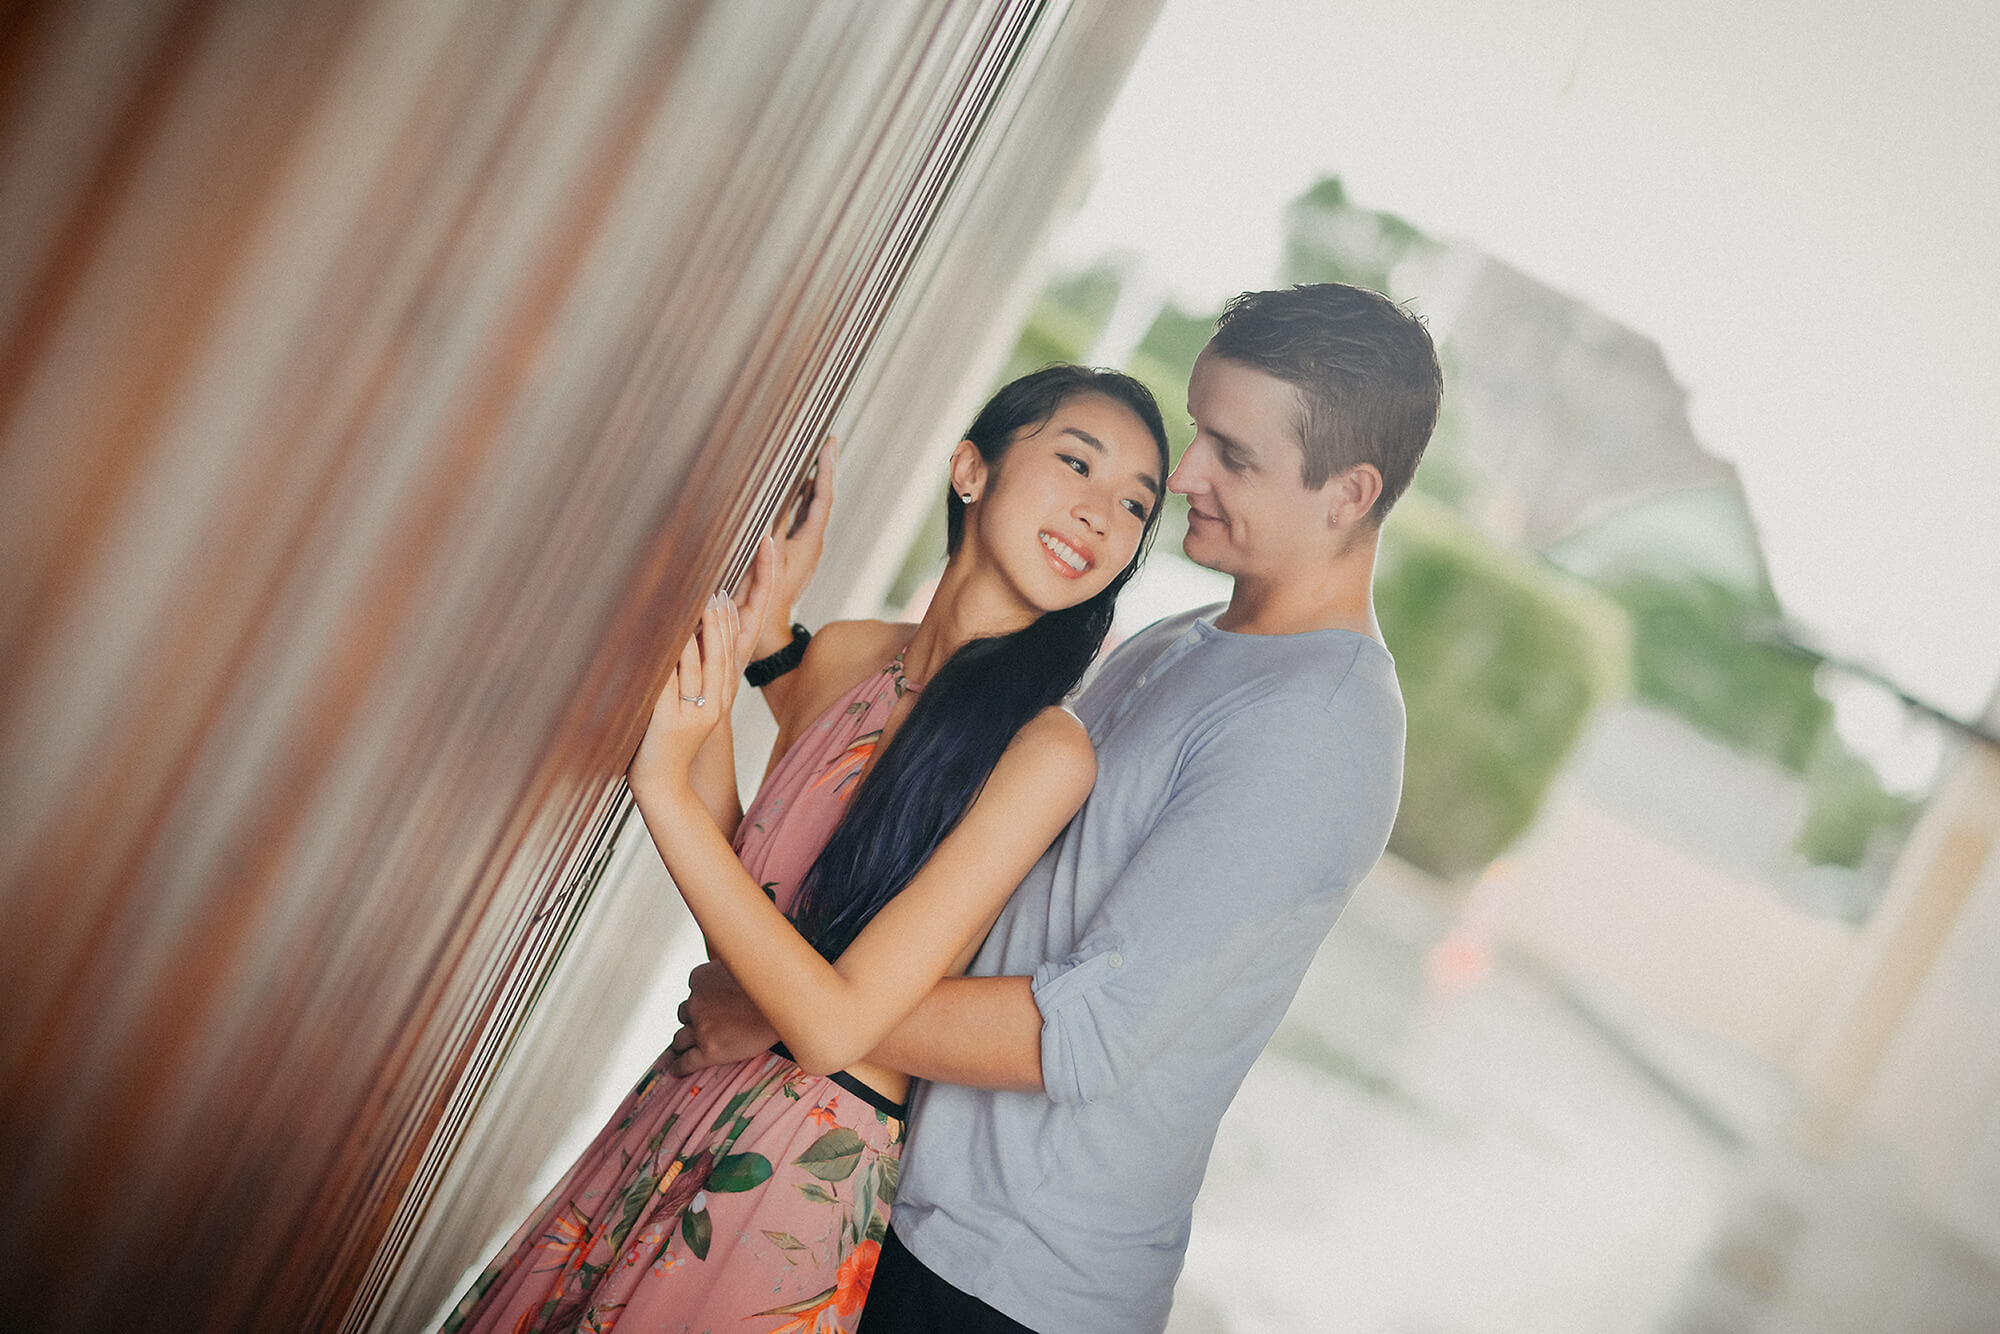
[[1049, 942]]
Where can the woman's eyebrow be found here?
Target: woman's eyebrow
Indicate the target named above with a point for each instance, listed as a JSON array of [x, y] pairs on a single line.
[[1146, 479]]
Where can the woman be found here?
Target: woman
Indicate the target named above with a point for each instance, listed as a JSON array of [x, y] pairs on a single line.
[[921, 771]]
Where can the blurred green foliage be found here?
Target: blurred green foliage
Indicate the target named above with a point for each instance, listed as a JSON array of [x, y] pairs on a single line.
[[1501, 657], [1443, 475], [1066, 319], [1162, 362], [1501, 660], [1696, 653], [1329, 240], [1848, 809], [1172, 342], [1702, 650]]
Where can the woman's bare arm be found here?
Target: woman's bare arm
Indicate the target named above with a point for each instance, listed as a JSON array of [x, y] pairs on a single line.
[[833, 1014], [982, 1031]]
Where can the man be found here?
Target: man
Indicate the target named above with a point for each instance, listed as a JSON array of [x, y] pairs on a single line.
[[1249, 764]]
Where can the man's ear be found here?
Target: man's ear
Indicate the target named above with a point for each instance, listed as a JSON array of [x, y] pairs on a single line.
[[968, 471], [1352, 494]]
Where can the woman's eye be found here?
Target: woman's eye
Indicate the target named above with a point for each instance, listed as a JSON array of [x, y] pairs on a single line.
[[1137, 508], [1076, 464]]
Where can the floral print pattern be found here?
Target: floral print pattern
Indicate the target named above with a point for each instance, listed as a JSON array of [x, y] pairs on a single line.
[[749, 1197], [764, 1194]]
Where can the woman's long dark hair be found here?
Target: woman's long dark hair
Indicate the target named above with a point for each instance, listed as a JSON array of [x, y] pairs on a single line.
[[946, 748]]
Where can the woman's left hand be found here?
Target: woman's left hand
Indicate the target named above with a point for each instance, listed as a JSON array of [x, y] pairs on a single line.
[[697, 695]]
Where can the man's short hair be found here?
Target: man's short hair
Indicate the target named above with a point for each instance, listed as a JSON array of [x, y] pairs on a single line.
[[1365, 369]]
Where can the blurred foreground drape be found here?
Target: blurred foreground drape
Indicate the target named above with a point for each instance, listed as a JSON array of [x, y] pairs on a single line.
[[384, 386]]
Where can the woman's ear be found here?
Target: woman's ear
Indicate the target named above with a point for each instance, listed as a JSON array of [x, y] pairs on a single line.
[[968, 471], [1352, 494]]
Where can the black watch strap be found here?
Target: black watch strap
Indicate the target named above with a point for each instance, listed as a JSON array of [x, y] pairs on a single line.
[[766, 670]]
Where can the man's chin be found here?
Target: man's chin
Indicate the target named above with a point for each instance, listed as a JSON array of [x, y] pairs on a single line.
[[1202, 553]]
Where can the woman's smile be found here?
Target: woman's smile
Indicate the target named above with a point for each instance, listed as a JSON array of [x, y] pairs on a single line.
[[1069, 559]]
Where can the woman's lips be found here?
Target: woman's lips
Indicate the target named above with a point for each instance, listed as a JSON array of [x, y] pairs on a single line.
[[1068, 558]]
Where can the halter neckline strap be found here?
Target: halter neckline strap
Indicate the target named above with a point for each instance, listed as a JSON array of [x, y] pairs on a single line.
[[904, 686]]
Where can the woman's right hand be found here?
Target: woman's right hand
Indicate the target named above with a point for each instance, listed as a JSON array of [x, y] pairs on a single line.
[[696, 696]]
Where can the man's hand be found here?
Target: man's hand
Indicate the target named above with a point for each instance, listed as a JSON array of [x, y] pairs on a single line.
[[719, 1024], [798, 537]]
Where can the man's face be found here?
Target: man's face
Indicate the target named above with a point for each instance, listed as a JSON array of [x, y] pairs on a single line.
[[1249, 512]]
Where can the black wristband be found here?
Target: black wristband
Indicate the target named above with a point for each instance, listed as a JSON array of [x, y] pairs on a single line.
[[766, 670]]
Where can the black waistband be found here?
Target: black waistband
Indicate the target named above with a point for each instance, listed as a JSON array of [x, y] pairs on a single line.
[[860, 1090]]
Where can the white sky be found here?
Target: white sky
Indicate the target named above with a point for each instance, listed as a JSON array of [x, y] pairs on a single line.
[[1798, 199]]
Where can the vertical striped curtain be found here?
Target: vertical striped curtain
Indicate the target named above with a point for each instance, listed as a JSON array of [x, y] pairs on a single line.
[[384, 386]]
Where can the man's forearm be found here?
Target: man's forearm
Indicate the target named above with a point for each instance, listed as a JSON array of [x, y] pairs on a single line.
[[982, 1031]]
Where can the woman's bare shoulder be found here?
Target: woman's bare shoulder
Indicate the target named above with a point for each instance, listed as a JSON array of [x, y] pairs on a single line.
[[853, 648], [1044, 775], [841, 653], [1059, 742]]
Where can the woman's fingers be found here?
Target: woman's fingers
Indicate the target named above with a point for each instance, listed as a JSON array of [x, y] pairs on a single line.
[[813, 526], [732, 617], [802, 535], [756, 597], [689, 670], [716, 637]]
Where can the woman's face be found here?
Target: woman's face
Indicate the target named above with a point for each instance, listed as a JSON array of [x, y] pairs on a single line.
[[1063, 512]]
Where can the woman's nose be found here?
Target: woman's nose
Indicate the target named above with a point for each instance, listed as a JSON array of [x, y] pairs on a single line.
[[1090, 512]]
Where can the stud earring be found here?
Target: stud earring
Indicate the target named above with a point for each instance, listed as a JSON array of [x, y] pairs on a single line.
[[965, 496]]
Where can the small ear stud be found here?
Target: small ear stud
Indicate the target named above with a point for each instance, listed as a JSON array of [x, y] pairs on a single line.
[[965, 496]]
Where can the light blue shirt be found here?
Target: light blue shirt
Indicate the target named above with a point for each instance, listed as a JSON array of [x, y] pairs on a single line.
[[1244, 784]]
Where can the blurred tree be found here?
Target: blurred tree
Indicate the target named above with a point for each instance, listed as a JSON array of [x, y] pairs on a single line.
[[1501, 658], [1701, 652], [1162, 362], [1089, 294], [1067, 317], [1165, 358], [1329, 240], [1501, 661], [1697, 653], [1175, 338], [1848, 810], [1443, 475]]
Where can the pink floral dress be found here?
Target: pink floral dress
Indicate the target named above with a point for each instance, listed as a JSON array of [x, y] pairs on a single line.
[[750, 1197]]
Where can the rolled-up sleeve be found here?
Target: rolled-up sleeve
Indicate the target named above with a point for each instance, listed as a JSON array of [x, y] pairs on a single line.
[[1075, 1061], [1266, 829]]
